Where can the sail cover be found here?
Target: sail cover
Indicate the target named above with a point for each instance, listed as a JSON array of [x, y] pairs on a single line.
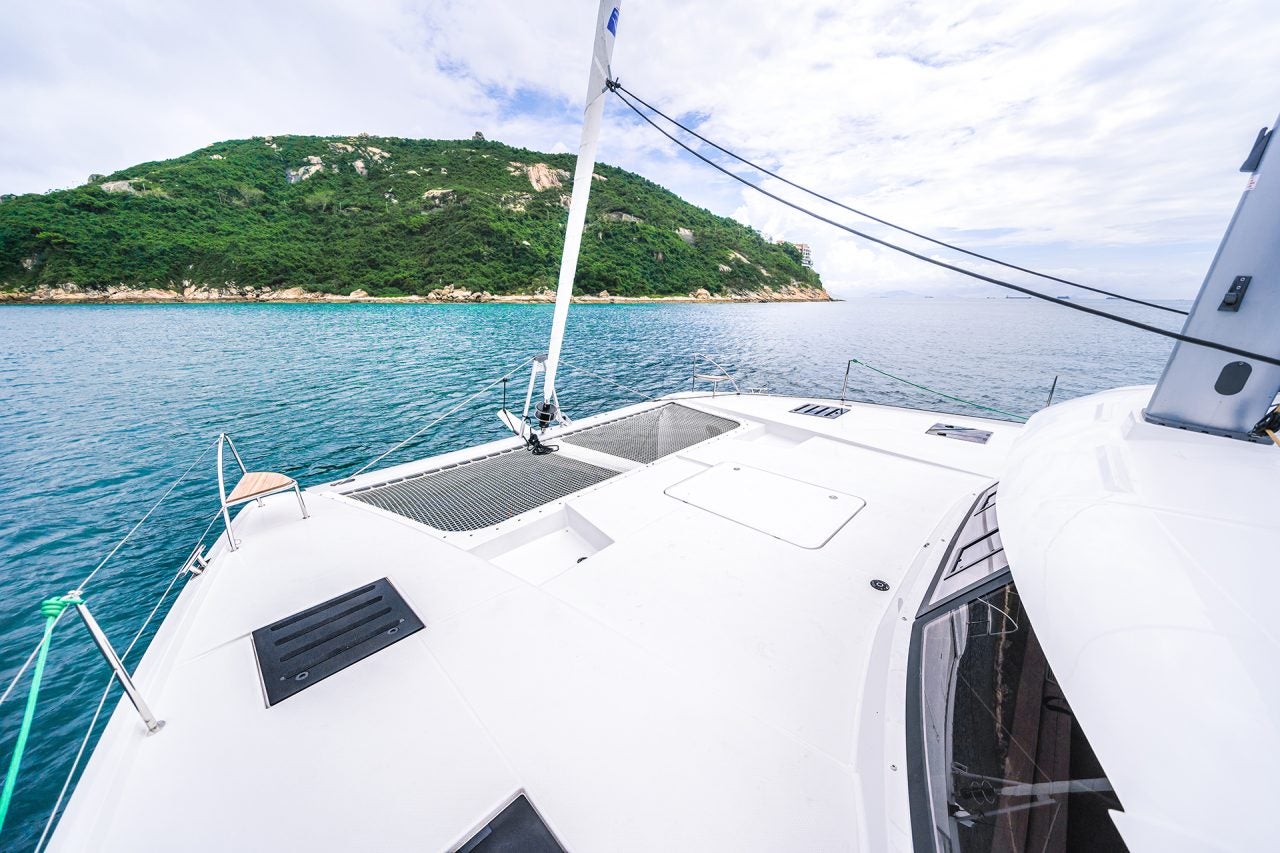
[[606, 32]]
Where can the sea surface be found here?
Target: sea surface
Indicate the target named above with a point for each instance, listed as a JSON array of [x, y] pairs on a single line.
[[103, 407]]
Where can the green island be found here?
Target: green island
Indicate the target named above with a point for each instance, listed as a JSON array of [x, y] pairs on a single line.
[[295, 218]]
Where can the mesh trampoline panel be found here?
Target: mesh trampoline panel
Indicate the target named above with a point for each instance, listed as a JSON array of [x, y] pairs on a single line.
[[652, 434], [483, 492]]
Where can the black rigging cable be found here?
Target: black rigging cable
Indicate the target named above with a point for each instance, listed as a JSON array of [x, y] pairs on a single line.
[[1177, 336], [618, 88]]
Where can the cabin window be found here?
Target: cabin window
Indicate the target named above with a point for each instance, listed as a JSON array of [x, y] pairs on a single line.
[[1002, 763]]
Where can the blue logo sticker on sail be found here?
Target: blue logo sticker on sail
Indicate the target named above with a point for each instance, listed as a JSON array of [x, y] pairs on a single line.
[[612, 26]]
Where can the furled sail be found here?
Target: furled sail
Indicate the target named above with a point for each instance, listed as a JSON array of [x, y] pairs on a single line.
[[606, 32]]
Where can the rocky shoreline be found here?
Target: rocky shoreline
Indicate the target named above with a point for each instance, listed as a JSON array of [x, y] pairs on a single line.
[[233, 293]]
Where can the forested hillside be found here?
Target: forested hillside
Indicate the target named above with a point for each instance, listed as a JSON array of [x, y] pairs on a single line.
[[387, 216]]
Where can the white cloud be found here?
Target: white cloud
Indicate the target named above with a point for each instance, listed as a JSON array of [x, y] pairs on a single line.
[[1096, 139]]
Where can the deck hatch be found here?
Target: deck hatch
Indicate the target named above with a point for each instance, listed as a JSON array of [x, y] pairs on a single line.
[[818, 410], [312, 645], [652, 434], [482, 492], [795, 511], [961, 433], [516, 829]]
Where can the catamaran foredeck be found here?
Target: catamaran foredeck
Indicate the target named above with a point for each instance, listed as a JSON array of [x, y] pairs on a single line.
[[745, 622], [650, 660]]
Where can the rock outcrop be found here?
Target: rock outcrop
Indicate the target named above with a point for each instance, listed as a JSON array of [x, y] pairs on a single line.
[[541, 176], [234, 292], [449, 293], [314, 164]]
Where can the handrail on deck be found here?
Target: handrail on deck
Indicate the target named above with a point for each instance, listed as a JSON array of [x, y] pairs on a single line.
[[253, 486], [714, 378]]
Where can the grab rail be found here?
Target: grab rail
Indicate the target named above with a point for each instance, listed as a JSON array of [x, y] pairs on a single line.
[[263, 484], [714, 379], [53, 609]]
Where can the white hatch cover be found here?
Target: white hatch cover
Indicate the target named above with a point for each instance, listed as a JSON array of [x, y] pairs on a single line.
[[791, 510]]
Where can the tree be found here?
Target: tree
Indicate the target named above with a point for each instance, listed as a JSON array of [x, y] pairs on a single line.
[[455, 221]]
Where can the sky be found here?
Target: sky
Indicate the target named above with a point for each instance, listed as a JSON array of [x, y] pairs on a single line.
[[1097, 141]]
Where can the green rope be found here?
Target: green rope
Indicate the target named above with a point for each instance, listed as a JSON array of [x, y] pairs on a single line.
[[50, 609], [939, 393]]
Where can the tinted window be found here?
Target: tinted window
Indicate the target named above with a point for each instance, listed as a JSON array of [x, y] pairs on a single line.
[[1007, 766], [517, 829]]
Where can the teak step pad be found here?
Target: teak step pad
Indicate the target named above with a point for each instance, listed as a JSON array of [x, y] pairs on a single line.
[[257, 483]]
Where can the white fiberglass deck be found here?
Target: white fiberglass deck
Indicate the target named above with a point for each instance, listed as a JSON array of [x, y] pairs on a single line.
[[654, 662]]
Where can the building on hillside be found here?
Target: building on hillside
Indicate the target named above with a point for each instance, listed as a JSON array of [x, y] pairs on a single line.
[[806, 259]]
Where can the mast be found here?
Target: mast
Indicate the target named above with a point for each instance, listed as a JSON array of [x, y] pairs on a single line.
[[1206, 390], [606, 32]]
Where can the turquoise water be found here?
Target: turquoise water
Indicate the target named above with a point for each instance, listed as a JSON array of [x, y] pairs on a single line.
[[102, 407]]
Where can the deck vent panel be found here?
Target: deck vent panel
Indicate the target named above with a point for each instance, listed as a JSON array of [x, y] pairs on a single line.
[[976, 553], [516, 829], [818, 410], [961, 433], [312, 645], [652, 434], [482, 492]]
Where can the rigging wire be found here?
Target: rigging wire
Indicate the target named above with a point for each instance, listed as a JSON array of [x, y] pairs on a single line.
[[51, 609], [111, 682], [154, 507], [22, 669], [501, 379], [635, 391], [854, 361], [618, 88], [85, 582], [1146, 327]]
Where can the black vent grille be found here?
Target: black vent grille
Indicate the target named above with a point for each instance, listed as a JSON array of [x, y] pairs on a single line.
[[818, 410], [976, 552], [307, 647]]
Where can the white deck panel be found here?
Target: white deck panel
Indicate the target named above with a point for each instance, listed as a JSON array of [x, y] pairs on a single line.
[[622, 752], [692, 684], [782, 507]]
